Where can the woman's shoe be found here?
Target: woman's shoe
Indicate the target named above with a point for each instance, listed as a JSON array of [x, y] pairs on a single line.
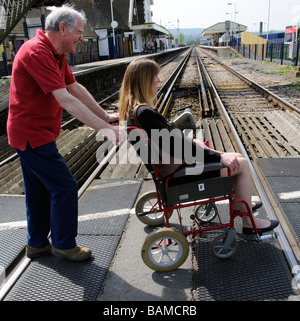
[[250, 231], [257, 205]]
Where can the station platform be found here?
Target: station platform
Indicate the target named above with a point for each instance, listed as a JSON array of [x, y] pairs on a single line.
[[221, 51], [78, 70], [81, 69], [86, 68], [107, 224]]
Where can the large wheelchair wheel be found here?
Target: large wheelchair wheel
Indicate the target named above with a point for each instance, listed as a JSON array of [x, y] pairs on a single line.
[[147, 210], [223, 247], [206, 212], [165, 250]]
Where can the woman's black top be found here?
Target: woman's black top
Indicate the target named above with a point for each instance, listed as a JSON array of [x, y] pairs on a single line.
[[149, 119]]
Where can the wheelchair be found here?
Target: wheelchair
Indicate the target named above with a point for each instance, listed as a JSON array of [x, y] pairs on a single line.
[[166, 248]]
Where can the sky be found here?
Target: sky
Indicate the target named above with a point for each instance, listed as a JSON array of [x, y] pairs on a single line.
[[205, 13]]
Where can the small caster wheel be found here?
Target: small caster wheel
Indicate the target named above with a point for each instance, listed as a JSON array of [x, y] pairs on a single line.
[[148, 206], [205, 213], [224, 245]]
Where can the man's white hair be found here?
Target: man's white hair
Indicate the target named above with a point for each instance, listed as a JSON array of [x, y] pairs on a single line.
[[67, 14]]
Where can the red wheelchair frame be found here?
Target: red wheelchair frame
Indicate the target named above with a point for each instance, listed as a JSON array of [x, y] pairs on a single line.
[[166, 249]]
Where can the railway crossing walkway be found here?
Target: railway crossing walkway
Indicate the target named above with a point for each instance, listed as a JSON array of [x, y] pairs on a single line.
[[107, 224], [257, 272]]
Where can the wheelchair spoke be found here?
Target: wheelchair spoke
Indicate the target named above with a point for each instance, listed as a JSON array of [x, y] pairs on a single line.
[[160, 258]]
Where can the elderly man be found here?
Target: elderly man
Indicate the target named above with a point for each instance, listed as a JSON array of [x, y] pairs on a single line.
[[42, 85]]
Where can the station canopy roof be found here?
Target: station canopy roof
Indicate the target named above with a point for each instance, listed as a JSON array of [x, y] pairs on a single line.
[[39, 3], [150, 26], [220, 28]]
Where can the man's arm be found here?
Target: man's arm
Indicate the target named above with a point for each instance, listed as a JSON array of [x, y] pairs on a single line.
[[86, 115], [82, 94]]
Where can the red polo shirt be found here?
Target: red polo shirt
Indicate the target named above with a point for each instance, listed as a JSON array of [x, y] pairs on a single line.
[[34, 114]]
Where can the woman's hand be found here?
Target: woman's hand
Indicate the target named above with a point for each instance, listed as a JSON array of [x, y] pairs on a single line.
[[230, 160]]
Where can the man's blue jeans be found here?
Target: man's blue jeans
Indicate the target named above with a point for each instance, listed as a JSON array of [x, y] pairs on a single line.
[[51, 195]]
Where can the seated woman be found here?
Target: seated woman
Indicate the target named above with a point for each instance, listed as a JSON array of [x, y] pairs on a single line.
[[139, 88]]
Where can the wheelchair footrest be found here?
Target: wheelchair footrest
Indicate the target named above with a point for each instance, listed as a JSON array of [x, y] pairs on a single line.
[[266, 237]]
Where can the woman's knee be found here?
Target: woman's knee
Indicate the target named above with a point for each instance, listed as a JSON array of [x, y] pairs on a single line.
[[243, 163], [243, 168]]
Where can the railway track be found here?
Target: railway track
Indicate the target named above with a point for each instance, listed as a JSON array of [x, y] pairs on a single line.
[[266, 123], [208, 101]]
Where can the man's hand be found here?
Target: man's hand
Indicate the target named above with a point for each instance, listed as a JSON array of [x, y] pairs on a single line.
[[113, 119], [115, 134]]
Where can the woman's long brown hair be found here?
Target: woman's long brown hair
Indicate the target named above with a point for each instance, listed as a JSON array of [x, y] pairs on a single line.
[[137, 86]]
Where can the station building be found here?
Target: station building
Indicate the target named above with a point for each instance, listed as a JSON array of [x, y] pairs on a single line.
[[114, 29]]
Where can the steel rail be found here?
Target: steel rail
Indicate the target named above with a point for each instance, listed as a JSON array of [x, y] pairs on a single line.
[[260, 88], [95, 173], [281, 237], [169, 84], [205, 106], [13, 278], [263, 90]]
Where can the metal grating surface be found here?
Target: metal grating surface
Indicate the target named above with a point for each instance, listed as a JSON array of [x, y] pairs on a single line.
[[53, 279], [104, 209], [287, 166], [112, 225], [256, 272], [12, 208], [114, 198], [287, 189], [12, 244], [109, 195], [292, 212], [283, 177], [13, 235]]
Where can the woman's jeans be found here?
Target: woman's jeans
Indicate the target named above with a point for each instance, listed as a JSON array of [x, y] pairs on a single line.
[[51, 195]]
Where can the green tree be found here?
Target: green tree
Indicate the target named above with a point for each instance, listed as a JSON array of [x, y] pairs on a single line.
[[181, 39]]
